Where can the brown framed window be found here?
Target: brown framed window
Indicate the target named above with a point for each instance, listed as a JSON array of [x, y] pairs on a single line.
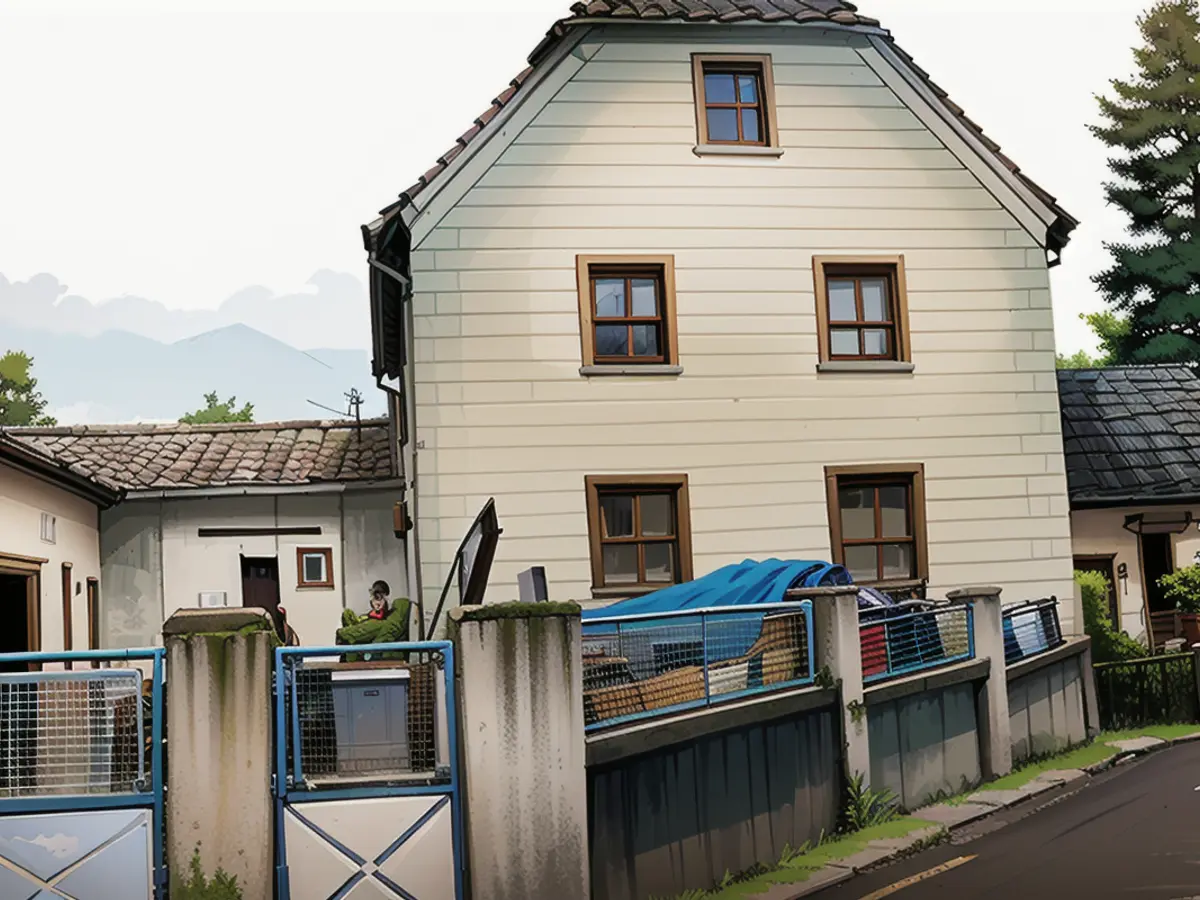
[[877, 521], [862, 309], [627, 310], [640, 532], [314, 567], [735, 101]]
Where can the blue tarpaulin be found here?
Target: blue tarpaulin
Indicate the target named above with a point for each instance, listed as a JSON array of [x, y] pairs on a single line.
[[743, 584]]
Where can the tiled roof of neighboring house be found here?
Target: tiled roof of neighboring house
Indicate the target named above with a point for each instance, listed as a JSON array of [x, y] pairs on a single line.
[[838, 12], [1131, 434], [178, 457], [16, 452]]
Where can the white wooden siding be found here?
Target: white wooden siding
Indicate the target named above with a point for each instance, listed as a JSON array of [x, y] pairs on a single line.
[[607, 166]]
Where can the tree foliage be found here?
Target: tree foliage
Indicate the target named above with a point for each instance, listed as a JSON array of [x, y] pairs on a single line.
[[20, 401], [1111, 329], [1153, 123], [215, 412]]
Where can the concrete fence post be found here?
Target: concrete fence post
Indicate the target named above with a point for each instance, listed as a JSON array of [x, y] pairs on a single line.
[[995, 729], [523, 755], [1091, 702], [219, 666], [836, 638]]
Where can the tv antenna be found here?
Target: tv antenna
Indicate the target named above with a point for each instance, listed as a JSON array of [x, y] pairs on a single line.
[[354, 402]]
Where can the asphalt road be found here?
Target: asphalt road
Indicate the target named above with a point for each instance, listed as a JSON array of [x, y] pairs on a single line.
[[1133, 832]]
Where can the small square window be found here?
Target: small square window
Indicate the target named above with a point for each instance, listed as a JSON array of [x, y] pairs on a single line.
[[314, 567], [862, 309], [627, 310], [735, 97]]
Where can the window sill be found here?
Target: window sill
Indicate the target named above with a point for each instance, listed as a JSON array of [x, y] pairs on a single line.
[[314, 587], [659, 371], [617, 593], [736, 150], [873, 366]]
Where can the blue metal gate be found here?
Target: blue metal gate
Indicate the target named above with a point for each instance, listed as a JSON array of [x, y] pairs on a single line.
[[366, 773], [81, 776]]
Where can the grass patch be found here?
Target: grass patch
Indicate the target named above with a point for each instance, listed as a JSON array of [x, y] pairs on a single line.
[[799, 868], [1162, 732]]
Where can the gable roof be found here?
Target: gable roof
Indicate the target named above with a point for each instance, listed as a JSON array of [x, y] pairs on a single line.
[[30, 459], [1131, 434], [182, 457], [833, 12]]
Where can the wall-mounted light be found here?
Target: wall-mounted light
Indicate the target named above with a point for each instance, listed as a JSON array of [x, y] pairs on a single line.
[[1123, 577], [1159, 523]]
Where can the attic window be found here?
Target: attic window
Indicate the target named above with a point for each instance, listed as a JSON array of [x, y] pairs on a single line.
[[735, 104]]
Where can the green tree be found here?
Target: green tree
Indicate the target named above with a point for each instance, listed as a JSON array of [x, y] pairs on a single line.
[[1153, 122], [1111, 329], [214, 412], [20, 402]]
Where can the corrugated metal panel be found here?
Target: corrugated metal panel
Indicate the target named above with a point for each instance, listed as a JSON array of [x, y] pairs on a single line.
[[667, 822]]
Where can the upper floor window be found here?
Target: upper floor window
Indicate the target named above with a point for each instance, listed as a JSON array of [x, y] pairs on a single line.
[[862, 310], [877, 521], [627, 311], [639, 530], [735, 102]]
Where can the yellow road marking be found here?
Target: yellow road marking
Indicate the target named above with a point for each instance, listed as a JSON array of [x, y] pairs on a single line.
[[920, 876]]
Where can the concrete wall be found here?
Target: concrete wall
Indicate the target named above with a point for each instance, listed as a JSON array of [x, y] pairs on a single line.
[[681, 817], [606, 166], [156, 562], [23, 499], [1100, 532], [1046, 709], [926, 744]]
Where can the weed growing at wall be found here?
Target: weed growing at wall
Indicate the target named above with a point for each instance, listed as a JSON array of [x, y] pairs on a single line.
[[222, 887], [866, 808]]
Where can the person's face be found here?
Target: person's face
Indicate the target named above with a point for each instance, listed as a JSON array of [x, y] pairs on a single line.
[[377, 602]]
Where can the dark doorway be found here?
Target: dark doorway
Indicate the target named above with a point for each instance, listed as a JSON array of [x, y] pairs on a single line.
[[1157, 561], [14, 618], [260, 585], [1106, 566]]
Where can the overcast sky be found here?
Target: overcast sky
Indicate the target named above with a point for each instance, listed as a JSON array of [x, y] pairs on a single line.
[[182, 151]]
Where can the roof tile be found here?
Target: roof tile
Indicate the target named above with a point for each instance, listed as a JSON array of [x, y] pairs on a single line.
[[165, 457]]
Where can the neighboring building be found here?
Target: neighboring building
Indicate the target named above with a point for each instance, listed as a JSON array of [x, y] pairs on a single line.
[[49, 551], [1132, 442], [703, 285], [298, 514]]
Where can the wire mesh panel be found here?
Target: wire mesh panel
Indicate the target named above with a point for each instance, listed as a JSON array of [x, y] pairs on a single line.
[[896, 641], [1030, 629], [636, 666], [72, 733], [367, 720]]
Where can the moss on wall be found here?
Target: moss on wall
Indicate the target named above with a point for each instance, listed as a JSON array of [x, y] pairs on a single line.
[[490, 612]]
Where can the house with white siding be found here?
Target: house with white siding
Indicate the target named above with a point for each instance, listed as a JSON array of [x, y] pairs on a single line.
[[714, 281]]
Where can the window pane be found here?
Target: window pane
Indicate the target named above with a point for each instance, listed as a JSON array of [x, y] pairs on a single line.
[[620, 564], [660, 563], [843, 342], [875, 305], [858, 513], [722, 125], [863, 563], [610, 297], [841, 301], [718, 89], [314, 567], [612, 340], [645, 340], [645, 297], [617, 512], [875, 342], [747, 89], [750, 125], [893, 506], [657, 518], [899, 561]]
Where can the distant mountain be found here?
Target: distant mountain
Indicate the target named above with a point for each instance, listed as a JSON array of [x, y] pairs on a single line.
[[118, 377], [333, 312]]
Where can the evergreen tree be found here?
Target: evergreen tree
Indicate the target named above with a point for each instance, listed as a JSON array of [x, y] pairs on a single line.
[[20, 402], [1154, 121]]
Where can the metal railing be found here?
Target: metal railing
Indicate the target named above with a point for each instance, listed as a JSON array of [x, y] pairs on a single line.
[[1160, 690], [654, 664], [913, 637], [1031, 628], [380, 719]]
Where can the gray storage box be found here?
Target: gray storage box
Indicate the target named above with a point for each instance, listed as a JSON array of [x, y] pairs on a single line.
[[370, 710]]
